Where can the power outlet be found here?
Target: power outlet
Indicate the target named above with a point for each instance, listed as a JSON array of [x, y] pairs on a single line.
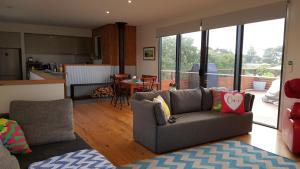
[[290, 63]]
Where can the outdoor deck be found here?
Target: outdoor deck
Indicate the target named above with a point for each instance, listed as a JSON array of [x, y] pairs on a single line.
[[266, 113]]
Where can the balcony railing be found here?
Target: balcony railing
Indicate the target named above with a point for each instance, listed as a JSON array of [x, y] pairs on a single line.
[[191, 80]]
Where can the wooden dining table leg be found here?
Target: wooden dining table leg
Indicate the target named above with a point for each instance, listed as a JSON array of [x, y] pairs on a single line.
[[131, 90]]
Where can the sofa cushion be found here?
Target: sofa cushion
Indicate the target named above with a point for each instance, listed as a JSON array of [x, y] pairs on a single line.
[[249, 98], [44, 121], [7, 161], [184, 101], [43, 152], [164, 106], [207, 99], [233, 102], [13, 137], [159, 115], [151, 95], [201, 127]]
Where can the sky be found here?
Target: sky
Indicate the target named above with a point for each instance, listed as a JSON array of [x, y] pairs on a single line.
[[260, 35]]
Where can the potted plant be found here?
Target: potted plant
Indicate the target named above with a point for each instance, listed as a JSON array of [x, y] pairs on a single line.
[[172, 86]]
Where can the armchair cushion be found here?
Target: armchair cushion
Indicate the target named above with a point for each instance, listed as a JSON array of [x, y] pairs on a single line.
[[184, 101], [44, 121], [295, 113]]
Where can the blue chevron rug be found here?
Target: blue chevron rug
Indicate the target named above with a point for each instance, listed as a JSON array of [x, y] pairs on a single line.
[[223, 155]]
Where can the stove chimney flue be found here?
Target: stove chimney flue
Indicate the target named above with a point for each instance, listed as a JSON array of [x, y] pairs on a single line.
[[121, 30]]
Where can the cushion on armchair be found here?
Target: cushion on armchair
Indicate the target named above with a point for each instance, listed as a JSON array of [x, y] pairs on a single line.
[[295, 113], [12, 137], [185, 101], [44, 121]]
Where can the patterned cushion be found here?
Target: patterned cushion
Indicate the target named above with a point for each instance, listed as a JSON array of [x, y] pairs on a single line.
[[13, 137], [217, 101], [233, 102], [88, 159], [164, 106]]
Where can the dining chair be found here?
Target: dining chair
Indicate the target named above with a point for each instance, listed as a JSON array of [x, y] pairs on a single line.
[[148, 83], [120, 93]]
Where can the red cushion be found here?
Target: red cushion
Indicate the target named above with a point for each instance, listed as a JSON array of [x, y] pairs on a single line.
[[233, 102], [291, 88], [295, 113]]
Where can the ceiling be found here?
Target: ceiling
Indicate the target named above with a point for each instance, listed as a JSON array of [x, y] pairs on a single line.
[[92, 13]]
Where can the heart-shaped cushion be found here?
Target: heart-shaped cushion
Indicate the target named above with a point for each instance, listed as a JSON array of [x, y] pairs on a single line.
[[233, 102]]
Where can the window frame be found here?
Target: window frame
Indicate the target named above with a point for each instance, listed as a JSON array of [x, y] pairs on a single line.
[[204, 62]]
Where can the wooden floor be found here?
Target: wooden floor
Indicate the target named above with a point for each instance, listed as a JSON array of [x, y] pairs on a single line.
[[109, 130]]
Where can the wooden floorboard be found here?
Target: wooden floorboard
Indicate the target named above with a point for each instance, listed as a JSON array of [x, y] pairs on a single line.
[[109, 130]]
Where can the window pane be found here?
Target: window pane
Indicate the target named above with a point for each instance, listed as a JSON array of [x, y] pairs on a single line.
[[190, 60], [168, 61], [261, 69], [221, 57]]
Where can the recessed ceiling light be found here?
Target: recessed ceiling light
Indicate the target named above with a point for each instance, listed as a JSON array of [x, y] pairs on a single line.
[[107, 12], [129, 1]]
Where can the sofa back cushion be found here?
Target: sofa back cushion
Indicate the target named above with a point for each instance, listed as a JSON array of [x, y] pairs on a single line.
[[7, 161], [249, 99], [151, 95], [44, 122], [207, 99], [185, 101]]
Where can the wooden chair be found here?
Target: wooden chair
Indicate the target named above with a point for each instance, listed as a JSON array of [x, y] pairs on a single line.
[[148, 83], [119, 92]]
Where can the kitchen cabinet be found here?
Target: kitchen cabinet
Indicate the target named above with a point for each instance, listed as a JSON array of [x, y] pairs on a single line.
[[54, 44]]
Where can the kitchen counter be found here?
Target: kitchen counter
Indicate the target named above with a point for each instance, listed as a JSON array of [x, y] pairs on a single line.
[[42, 75]]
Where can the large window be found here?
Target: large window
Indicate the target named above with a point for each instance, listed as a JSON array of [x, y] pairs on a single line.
[[221, 57], [245, 57], [190, 60], [261, 68], [168, 61]]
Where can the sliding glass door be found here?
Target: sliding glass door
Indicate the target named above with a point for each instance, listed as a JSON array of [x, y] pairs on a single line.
[[221, 57], [168, 61], [244, 57], [190, 60], [261, 68]]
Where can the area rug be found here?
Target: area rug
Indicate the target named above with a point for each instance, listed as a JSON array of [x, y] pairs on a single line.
[[222, 155]]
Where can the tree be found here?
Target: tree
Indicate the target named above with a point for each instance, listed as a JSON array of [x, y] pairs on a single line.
[[223, 59], [168, 53], [272, 56], [251, 56], [189, 54]]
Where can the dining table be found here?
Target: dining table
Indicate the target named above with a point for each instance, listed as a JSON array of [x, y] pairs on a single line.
[[134, 84]]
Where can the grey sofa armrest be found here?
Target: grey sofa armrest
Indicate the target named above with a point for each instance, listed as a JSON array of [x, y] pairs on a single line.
[[144, 123]]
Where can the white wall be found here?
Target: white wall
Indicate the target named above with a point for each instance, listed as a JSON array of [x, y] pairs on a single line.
[[146, 37], [292, 49], [34, 92]]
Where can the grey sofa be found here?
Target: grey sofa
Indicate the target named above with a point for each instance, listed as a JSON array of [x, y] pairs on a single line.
[[195, 123], [59, 138]]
